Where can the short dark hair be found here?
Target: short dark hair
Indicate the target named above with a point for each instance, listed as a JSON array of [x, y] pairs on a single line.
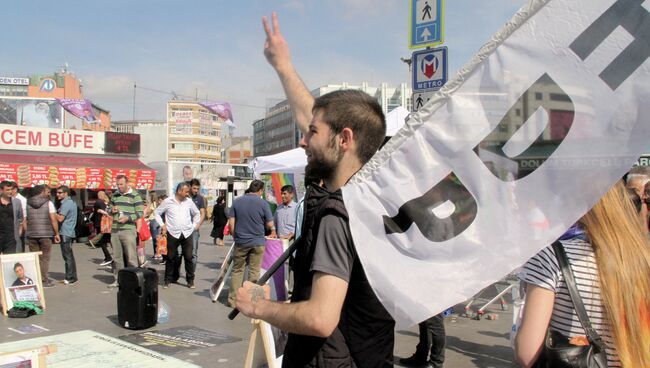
[[5, 183], [121, 176], [18, 264], [221, 199], [358, 111], [13, 184], [38, 190], [194, 182], [64, 189], [256, 186], [181, 185], [287, 188]]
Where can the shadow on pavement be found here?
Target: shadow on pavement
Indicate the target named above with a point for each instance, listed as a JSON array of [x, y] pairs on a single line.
[[482, 355], [114, 319], [505, 335], [106, 279]]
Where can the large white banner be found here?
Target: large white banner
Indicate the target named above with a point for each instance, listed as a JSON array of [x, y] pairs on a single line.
[[509, 154]]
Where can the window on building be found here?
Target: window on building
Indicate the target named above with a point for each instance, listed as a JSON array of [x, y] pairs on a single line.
[[559, 97], [539, 96]]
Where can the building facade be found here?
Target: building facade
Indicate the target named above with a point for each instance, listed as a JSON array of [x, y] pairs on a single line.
[[239, 151], [278, 131], [30, 101], [194, 133]]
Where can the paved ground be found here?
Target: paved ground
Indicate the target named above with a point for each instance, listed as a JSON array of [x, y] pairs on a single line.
[[91, 305]]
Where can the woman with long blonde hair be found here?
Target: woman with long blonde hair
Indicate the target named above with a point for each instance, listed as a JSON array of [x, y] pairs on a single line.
[[610, 259]]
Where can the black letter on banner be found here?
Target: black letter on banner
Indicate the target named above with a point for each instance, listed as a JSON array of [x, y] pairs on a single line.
[[420, 211], [545, 82], [635, 19]]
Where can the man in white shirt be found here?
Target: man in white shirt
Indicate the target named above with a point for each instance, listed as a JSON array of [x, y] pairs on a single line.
[[182, 218]]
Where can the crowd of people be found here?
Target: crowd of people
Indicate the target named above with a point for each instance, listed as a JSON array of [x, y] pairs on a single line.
[[35, 223], [334, 317]]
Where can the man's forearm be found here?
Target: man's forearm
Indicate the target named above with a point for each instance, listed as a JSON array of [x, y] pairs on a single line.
[[300, 99], [298, 318]]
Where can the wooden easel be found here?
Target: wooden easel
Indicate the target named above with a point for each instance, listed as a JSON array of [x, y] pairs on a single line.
[[262, 352], [36, 356], [38, 282]]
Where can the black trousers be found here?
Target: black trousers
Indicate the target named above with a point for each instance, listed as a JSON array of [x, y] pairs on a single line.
[[432, 340], [8, 244], [173, 257]]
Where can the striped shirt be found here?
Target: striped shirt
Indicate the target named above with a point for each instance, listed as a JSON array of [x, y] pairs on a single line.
[[129, 204], [544, 271]]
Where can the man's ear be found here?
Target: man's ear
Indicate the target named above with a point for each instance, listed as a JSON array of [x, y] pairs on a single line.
[[346, 138]]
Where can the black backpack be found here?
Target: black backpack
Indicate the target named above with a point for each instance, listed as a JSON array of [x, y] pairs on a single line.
[[81, 229]]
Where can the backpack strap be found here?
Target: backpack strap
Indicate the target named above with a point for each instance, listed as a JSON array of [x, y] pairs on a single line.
[[579, 307]]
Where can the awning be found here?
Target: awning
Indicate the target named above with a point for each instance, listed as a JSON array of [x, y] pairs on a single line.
[[79, 171]]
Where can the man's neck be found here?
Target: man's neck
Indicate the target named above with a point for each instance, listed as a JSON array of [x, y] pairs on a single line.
[[180, 199], [345, 170], [5, 199]]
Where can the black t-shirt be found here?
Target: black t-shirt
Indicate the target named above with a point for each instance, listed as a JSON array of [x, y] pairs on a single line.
[[97, 217], [7, 220], [366, 325]]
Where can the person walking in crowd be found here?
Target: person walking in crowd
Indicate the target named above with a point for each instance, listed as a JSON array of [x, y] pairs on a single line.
[[100, 239], [334, 318], [201, 204], [126, 208], [249, 216], [609, 256], [219, 220], [41, 227], [285, 214], [20, 246], [154, 228], [637, 179], [68, 217], [431, 342], [11, 219], [21, 278], [179, 219]]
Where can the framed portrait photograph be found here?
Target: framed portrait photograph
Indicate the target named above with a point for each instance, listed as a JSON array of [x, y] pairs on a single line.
[[21, 280]]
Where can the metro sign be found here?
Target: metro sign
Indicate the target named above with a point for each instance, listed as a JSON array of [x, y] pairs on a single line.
[[429, 69]]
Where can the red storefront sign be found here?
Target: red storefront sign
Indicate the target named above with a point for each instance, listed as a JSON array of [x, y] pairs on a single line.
[[29, 170]]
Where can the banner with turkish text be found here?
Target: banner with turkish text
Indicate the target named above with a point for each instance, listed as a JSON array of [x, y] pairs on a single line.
[[548, 115]]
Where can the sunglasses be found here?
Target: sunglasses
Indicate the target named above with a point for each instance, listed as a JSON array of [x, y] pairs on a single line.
[[59, 192]]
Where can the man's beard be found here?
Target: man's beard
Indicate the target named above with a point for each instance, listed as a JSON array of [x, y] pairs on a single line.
[[323, 164]]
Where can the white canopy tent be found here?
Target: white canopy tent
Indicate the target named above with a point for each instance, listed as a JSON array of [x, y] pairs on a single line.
[[292, 162], [395, 120]]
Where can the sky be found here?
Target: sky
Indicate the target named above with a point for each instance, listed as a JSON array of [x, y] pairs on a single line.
[[214, 49]]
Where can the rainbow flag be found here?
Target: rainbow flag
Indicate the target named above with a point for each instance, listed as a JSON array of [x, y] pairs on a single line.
[[278, 180]]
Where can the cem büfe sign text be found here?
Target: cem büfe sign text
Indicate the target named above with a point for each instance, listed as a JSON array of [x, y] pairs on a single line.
[[51, 140]]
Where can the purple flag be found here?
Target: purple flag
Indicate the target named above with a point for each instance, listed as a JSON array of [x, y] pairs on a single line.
[[220, 108], [82, 109]]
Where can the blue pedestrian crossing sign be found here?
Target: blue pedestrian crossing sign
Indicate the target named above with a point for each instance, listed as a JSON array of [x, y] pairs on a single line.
[[426, 26], [429, 68]]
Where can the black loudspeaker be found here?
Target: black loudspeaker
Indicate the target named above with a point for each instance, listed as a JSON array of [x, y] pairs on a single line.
[[137, 297]]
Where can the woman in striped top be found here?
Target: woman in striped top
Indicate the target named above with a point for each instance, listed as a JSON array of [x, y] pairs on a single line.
[[610, 259]]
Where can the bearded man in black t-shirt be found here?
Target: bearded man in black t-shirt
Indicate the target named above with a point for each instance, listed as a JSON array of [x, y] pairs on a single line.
[[334, 318]]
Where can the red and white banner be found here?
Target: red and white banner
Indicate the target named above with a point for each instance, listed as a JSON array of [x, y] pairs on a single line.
[[28, 175]]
